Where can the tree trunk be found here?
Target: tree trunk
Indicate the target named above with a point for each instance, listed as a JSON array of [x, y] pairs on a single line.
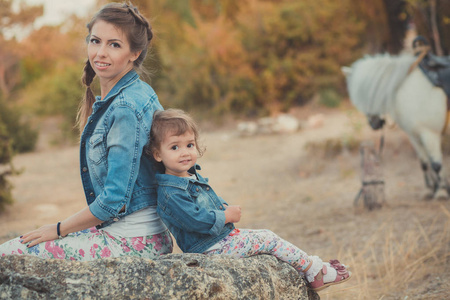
[[434, 29], [372, 189]]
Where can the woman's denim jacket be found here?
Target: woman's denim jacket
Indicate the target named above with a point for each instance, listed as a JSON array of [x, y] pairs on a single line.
[[192, 211], [114, 171]]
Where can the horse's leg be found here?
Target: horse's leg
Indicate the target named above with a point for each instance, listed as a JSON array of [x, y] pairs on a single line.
[[444, 191], [430, 176], [431, 140], [420, 110]]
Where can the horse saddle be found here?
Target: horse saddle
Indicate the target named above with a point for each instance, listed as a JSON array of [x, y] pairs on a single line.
[[437, 70]]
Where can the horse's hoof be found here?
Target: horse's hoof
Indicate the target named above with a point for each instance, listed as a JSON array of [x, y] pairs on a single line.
[[441, 195]]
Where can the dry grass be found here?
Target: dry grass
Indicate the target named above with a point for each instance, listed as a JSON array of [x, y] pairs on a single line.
[[392, 270], [333, 147], [398, 258]]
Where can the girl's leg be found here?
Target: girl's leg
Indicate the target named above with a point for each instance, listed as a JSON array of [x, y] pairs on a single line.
[[92, 244], [247, 242]]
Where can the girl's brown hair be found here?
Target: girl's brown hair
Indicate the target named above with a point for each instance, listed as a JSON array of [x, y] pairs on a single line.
[[173, 121], [138, 31]]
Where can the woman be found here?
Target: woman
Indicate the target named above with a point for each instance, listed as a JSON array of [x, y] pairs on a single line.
[[118, 179]]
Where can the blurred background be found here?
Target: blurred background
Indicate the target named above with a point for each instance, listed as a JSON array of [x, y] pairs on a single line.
[[215, 58], [227, 61], [250, 58]]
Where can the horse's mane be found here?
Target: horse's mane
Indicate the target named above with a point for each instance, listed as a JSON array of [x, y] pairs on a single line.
[[374, 80]]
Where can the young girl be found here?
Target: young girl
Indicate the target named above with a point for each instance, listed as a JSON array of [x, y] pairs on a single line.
[[201, 221]]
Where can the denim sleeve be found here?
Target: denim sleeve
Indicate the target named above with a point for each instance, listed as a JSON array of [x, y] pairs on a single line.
[[125, 143], [223, 201], [181, 211]]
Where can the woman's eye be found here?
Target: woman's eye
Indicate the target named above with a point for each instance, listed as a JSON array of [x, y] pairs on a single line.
[[174, 148], [115, 45], [94, 41]]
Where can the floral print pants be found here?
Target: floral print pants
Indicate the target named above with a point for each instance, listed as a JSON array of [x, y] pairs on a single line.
[[90, 244], [247, 242]]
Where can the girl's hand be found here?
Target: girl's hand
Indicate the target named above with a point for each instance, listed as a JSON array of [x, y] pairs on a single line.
[[43, 234], [232, 214]]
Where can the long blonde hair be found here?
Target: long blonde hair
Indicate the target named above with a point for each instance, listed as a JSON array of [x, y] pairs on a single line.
[[138, 31]]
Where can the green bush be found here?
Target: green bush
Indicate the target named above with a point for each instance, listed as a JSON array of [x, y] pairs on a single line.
[[329, 97], [57, 94], [22, 136], [5, 167]]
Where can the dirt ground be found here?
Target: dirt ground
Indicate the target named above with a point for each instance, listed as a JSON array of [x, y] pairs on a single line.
[[400, 251]]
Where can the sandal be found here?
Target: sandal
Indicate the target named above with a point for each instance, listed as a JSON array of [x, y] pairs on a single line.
[[335, 263], [342, 276]]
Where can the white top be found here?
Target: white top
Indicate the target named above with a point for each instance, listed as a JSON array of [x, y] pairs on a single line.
[[141, 223]]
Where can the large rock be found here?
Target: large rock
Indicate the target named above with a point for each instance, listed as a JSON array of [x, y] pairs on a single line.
[[174, 276]]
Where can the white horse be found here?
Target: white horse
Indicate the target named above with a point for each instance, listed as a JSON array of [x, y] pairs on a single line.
[[384, 85]]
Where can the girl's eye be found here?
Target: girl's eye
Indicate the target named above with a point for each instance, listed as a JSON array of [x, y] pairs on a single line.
[[174, 148], [191, 145]]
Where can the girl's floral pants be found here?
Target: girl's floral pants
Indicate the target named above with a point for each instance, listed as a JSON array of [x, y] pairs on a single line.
[[242, 243], [90, 244]]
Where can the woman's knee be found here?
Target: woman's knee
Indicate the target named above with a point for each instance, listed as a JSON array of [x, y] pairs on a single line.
[[13, 247]]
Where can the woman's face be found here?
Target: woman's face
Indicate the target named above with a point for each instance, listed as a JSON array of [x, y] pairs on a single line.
[[109, 53]]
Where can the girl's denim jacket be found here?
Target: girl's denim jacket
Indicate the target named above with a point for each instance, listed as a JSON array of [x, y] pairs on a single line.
[[114, 170], [192, 211]]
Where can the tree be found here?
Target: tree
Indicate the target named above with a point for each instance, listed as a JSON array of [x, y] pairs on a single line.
[[432, 20], [6, 168], [385, 24], [10, 54], [265, 57]]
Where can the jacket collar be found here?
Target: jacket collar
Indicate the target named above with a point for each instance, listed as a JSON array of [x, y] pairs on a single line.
[[180, 182], [124, 82]]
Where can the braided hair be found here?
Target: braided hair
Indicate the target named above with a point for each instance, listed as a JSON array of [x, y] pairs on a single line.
[[138, 31]]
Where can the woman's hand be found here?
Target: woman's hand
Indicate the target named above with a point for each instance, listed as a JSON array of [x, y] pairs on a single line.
[[232, 214], [43, 234], [81, 220]]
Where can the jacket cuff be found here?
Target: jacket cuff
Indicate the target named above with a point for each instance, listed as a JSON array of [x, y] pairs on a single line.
[[100, 211], [219, 224]]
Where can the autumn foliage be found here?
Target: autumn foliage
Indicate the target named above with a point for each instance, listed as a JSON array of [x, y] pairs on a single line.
[[217, 57], [261, 57]]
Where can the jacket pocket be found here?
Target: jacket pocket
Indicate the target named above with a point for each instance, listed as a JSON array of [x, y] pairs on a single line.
[[97, 149]]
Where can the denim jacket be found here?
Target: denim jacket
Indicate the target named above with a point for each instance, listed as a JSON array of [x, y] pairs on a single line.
[[114, 171], [192, 211]]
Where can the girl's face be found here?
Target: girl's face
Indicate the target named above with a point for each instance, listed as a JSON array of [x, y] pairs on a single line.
[[178, 153], [109, 53]]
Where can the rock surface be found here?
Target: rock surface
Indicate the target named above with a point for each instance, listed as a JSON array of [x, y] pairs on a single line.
[[174, 276]]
